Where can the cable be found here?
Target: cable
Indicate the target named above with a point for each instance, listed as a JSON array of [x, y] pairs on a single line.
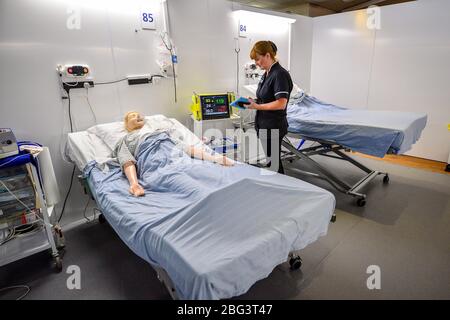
[[113, 55], [70, 111], [17, 287], [237, 49], [90, 107], [67, 195], [109, 82], [30, 211], [9, 237], [156, 76], [84, 212], [369, 81], [73, 170], [22, 230], [30, 229], [70, 85], [4, 185], [169, 47]]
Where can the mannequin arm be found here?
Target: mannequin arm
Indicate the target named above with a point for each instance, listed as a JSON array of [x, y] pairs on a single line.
[[130, 171], [200, 153]]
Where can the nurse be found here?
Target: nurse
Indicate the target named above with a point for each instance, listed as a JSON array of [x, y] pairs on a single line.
[[272, 97]]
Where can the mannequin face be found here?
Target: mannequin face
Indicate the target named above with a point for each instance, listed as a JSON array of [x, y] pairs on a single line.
[[134, 121]]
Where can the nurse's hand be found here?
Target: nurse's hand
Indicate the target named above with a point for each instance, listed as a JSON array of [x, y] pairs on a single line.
[[252, 105]]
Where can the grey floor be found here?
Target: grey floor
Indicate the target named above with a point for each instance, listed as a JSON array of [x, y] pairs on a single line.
[[404, 229]]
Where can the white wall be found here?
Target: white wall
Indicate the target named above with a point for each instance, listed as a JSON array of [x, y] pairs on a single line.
[[404, 66], [34, 39], [301, 53], [203, 31], [341, 56]]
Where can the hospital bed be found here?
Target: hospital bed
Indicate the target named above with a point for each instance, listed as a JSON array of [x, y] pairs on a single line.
[[209, 231], [332, 130]]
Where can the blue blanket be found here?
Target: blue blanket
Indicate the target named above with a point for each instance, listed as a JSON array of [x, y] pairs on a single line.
[[215, 230], [371, 132]]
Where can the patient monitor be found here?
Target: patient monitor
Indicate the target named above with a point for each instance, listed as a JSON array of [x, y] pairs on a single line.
[[211, 106], [8, 143]]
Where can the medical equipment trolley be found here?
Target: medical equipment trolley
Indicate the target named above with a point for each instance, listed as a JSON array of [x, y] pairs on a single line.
[[25, 227]]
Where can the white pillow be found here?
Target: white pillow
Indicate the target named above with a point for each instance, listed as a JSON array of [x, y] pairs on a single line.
[[109, 133], [297, 93]]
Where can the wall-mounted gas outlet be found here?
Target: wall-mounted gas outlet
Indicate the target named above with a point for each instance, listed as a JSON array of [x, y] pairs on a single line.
[[75, 70], [74, 76]]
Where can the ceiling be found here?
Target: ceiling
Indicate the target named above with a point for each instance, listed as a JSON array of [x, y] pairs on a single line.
[[314, 8]]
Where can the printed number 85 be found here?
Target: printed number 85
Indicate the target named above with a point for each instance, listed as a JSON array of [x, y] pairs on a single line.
[[147, 17]]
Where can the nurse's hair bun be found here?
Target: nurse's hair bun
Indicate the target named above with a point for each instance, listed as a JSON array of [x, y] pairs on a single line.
[[274, 47]]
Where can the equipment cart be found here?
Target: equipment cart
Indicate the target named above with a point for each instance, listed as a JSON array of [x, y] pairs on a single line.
[[25, 219]]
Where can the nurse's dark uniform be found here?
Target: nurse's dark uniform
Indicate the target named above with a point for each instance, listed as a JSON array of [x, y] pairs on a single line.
[[273, 86]]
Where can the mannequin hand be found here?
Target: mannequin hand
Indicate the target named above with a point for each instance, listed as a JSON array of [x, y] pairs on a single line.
[[136, 190], [224, 161]]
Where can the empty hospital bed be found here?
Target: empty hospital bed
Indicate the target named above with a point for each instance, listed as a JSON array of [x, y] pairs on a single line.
[[209, 231], [334, 129]]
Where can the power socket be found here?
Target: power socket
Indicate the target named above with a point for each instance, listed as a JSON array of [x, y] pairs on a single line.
[[139, 79], [77, 85]]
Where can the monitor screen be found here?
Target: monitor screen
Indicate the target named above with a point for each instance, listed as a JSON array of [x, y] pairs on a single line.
[[215, 106]]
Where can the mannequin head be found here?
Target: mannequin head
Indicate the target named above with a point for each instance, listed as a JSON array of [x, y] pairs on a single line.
[[133, 120]]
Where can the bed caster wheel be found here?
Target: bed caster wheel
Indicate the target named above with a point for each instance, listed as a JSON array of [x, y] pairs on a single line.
[[101, 218], [58, 264], [295, 262], [386, 179], [361, 202], [60, 241], [333, 218]]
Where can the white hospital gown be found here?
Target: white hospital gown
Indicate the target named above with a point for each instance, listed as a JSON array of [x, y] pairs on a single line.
[[127, 147]]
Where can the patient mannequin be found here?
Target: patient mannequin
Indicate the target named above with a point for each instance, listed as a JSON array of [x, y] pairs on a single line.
[[125, 149]]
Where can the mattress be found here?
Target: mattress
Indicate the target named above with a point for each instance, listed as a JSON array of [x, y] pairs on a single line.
[[371, 132]]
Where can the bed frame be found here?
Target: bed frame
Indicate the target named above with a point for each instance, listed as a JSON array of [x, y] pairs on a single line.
[[295, 261], [332, 150]]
